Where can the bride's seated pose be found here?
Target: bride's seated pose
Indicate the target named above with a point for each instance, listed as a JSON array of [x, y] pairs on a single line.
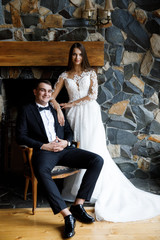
[[115, 198]]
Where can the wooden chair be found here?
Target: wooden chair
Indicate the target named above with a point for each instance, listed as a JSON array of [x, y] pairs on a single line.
[[57, 172]]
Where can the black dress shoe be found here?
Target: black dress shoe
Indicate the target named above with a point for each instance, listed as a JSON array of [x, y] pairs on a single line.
[[69, 226], [80, 214]]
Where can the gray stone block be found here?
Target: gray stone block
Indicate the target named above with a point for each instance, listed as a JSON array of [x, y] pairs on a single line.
[[78, 23], [113, 86], [148, 91], [125, 21], [37, 35], [155, 72], [8, 17], [115, 53], [79, 34], [104, 95], [109, 73], [5, 34], [120, 97], [101, 78], [30, 19], [67, 12], [144, 116], [130, 88], [54, 5], [128, 71], [140, 174], [122, 4], [105, 117], [1, 13], [136, 100], [151, 106], [126, 151], [142, 184], [153, 82], [113, 35], [148, 4], [117, 136], [127, 167], [140, 150], [119, 76], [129, 115], [154, 127], [137, 69], [121, 123], [130, 45]]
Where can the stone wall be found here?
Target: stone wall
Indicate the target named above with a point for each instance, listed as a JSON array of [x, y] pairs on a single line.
[[129, 82]]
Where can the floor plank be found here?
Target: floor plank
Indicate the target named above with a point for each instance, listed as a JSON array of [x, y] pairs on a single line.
[[20, 224]]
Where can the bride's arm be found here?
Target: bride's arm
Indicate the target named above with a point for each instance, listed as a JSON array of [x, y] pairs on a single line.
[[57, 88], [92, 93]]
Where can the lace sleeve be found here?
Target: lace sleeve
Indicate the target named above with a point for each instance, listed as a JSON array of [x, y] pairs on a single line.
[[60, 81], [57, 88], [93, 90]]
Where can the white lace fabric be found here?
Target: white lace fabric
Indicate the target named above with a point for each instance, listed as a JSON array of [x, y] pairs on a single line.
[[82, 87]]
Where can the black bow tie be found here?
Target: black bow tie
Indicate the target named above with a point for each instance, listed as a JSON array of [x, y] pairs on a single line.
[[43, 108]]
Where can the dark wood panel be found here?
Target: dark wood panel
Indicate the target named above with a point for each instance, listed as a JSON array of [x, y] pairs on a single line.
[[46, 53]]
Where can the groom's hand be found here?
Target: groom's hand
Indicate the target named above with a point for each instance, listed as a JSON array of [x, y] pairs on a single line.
[[60, 144], [55, 146]]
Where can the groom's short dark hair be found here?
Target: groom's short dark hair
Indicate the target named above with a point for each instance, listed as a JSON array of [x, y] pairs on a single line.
[[42, 81]]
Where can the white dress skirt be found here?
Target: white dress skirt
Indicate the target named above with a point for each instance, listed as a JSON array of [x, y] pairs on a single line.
[[116, 198]]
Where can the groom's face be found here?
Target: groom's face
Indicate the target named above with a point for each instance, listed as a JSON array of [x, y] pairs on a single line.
[[43, 93]]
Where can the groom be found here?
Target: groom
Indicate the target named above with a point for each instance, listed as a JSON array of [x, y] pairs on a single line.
[[38, 127]]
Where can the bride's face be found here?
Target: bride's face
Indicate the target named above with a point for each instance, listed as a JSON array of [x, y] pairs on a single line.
[[77, 56]]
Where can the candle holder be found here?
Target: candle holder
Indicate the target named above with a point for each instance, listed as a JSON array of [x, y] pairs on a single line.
[[104, 15], [101, 16], [89, 10]]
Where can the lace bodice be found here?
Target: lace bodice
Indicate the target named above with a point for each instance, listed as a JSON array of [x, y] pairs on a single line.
[[80, 87]]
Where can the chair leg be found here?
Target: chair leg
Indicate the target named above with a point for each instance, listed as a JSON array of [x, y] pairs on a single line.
[[26, 188], [34, 194]]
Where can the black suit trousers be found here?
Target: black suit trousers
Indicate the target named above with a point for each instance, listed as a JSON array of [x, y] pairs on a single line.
[[44, 161]]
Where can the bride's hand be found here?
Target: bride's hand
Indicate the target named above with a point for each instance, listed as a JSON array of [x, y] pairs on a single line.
[[66, 105], [60, 117]]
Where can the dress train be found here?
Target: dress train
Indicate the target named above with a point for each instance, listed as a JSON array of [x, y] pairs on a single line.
[[116, 198]]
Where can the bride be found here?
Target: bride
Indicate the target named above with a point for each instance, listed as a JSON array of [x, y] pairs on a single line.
[[115, 198]]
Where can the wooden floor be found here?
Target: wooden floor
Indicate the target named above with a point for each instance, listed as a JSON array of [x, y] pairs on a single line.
[[20, 224]]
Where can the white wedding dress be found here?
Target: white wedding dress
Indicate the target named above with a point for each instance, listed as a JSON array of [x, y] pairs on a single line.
[[116, 199]]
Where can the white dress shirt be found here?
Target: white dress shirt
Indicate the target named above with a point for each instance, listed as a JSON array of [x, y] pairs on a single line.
[[48, 121]]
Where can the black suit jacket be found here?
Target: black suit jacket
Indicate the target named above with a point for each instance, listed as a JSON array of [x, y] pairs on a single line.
[[30, 129]]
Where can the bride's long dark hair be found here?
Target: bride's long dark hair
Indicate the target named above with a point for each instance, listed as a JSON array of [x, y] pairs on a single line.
[[85, 63]]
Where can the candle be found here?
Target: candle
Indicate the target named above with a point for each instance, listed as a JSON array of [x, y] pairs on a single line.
[[89, 13]]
